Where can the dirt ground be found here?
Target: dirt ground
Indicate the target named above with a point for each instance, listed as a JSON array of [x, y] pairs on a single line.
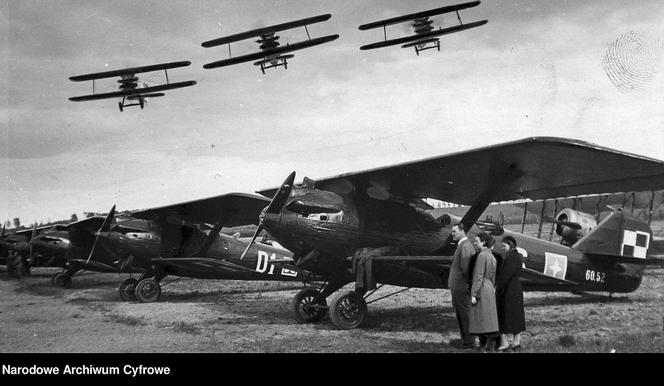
[[234, 316]]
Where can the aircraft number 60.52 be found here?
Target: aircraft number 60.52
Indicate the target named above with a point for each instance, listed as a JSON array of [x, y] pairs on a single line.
[[596, 276]]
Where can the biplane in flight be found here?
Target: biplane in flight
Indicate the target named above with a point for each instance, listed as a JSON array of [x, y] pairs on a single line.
[[272, 54], [369, 227], [426, 36], [130, 92]]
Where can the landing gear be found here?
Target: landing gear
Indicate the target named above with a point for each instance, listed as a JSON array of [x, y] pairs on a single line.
[[148, 290], [127, 289], [308, 307], [120, 106], [141, 102], [17, 266], [62, 280], [348, 310]]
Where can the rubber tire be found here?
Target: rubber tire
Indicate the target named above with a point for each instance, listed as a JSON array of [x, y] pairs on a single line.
[[301, 316], [147, 290], [53, 278], [340, 306], [127, 289], [62, 280]]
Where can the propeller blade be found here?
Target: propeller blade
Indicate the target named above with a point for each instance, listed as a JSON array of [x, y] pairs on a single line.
[[276, 206], [281, 197], [32, 236], [258, 230], [105, 228]]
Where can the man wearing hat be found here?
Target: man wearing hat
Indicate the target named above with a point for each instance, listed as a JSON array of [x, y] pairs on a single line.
[[457, 282]]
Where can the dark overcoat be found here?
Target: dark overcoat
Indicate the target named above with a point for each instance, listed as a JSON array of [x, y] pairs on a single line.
[[509, 294]]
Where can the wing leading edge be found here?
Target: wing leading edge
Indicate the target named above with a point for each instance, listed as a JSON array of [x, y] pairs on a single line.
[[233, 209], [539, 168], [419, 15]]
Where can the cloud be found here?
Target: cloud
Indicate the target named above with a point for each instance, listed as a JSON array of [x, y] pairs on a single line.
[[534, 69]]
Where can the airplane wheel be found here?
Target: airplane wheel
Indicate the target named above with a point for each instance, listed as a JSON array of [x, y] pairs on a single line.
[[127, 289], [53, 278], [142, 103], [147, 290], [348, 310], [303, 308], [120, 106], [62, 280]]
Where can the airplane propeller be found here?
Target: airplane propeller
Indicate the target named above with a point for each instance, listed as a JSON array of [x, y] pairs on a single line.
[[105, 228], [276, 206]]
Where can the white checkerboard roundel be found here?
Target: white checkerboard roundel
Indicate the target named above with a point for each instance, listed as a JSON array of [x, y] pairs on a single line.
[[635, 244]]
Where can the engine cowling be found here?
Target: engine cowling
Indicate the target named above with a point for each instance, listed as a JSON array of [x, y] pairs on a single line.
[[572, 225]]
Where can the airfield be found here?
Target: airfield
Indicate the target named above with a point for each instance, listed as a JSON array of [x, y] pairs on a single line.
[[241, 316]]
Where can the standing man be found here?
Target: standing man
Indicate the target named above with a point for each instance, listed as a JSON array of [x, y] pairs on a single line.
[[458, 282]]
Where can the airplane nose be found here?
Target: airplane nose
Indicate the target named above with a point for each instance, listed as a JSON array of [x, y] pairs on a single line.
[[270, 219]]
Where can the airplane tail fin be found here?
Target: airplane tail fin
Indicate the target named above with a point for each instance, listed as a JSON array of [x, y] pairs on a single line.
[[620, 237]]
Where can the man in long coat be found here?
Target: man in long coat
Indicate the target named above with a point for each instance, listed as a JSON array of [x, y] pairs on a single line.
[[458, 283]]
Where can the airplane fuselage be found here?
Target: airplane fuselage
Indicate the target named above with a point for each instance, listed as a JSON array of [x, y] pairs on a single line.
[[262, 262], [311, 221]]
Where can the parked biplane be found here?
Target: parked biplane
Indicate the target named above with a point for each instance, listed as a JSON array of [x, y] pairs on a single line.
[[367, 227], [426, 36], [17, 253], [169, 241], [70, 245], [130, 92], [272, 54]]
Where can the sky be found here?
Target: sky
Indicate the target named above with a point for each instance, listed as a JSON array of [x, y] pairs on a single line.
[[537, 68]]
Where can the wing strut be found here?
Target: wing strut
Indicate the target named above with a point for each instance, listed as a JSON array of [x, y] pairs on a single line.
[[211, 237]]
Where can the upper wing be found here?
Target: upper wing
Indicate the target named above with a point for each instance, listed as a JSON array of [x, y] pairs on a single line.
[[28, 231], [422, 36], [265, 30], [90, 224], [131, 92], [129, 71], [534, 168], [272, 52], [233, 209], [419, 15]]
